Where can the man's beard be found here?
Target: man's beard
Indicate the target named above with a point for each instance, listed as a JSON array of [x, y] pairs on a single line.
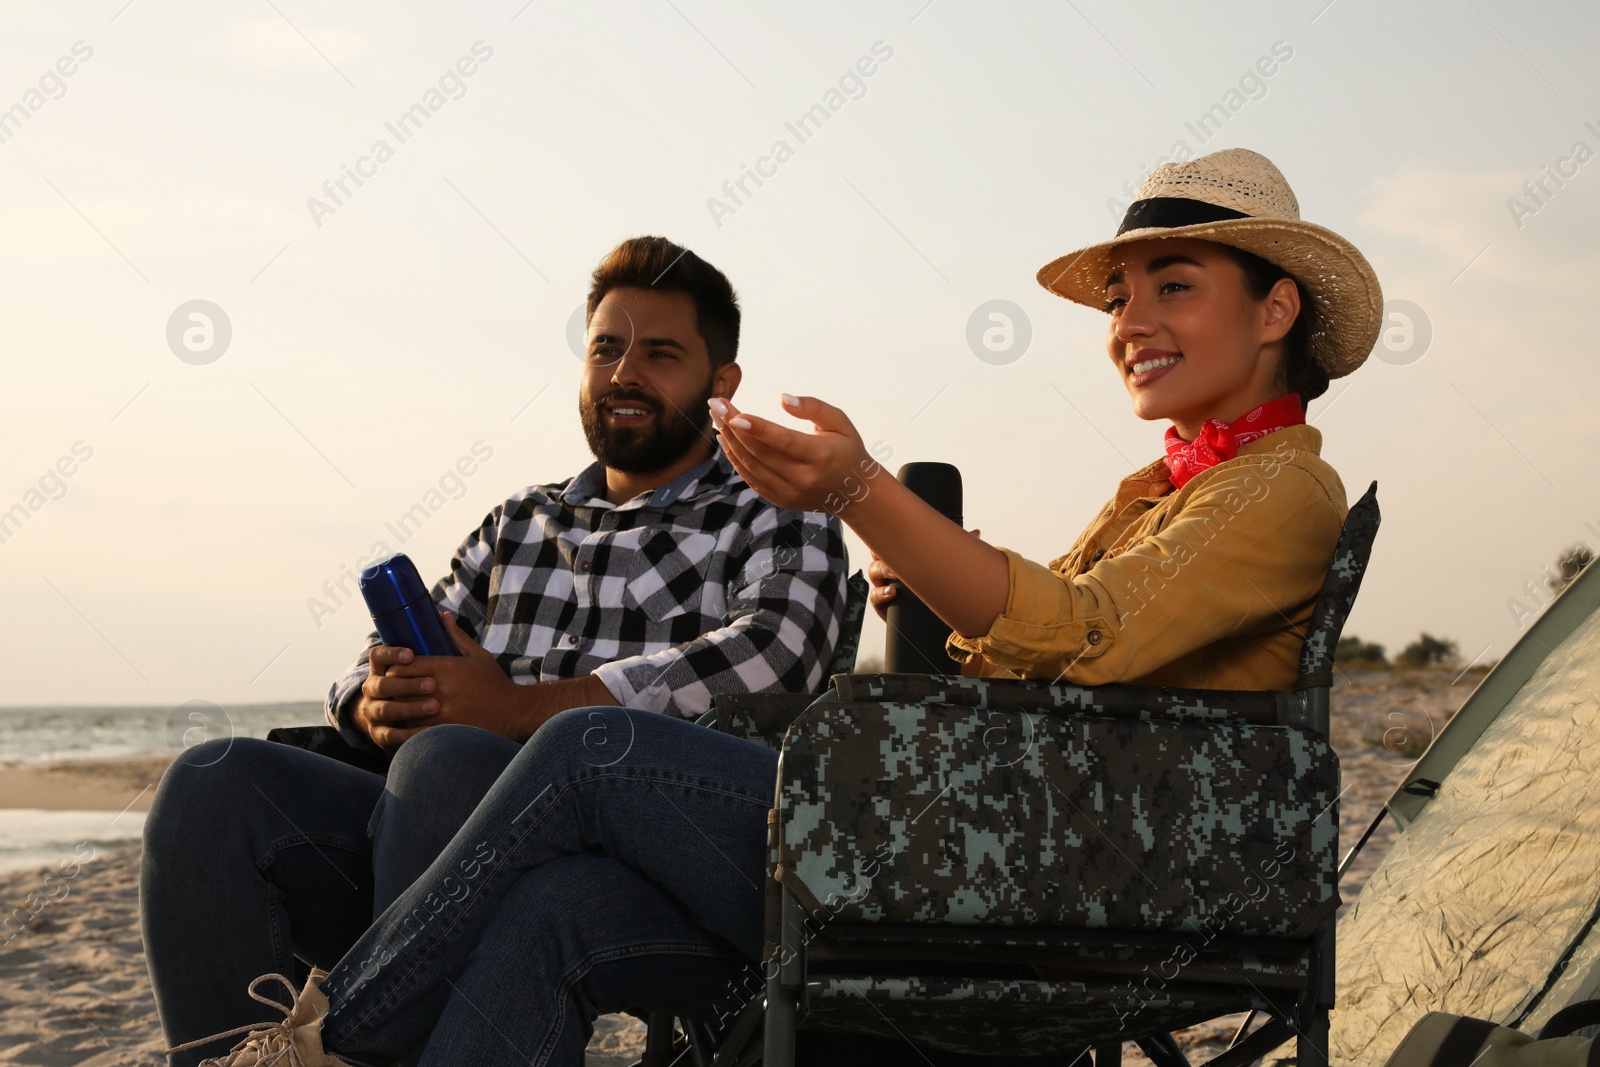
[[635, 450]]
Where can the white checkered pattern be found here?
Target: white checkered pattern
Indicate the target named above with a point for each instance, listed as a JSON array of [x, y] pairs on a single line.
[[698, 588]]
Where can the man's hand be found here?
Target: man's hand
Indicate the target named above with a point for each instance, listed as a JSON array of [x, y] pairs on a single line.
[[390, 709], [415, 692], [469, 689]]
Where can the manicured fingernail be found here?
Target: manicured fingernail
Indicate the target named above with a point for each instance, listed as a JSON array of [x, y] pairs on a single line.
[[718, 406], [739, 422], [790, 400]]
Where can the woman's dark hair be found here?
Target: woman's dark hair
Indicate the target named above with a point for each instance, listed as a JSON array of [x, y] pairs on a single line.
[[656, 263], [1302, 374]]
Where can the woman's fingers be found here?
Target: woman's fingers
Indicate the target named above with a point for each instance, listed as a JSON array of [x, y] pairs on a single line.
[[829, 425], [880, 598], [767, 440], [758, 475], [766, 484], [821, 414], [769, 474], [884, 582], [819, 470]]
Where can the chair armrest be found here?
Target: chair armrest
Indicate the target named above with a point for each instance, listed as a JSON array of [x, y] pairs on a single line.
[[1262, 708], [758, 717], [326, 741]]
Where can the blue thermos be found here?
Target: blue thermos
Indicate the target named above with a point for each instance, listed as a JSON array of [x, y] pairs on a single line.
[[402, 609]]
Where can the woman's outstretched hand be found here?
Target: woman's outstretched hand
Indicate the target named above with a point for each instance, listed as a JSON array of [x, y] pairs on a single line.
[[824, 470], [962, 579]]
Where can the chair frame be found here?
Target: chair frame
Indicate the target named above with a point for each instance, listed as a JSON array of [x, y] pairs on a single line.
[[1304, 1015]]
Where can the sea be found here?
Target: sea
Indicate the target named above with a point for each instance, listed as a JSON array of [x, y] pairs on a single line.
[[35, 736]]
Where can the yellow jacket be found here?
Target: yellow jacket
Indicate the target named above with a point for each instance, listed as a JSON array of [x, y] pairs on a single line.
[[1208, 586]]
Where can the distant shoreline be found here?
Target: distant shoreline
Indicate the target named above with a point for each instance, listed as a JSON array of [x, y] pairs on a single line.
[[116, 784]]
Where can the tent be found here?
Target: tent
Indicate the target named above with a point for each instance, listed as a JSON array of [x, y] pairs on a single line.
[[1487, 903]]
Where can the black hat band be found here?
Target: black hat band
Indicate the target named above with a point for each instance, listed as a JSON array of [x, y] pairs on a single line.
[[1168, 212]]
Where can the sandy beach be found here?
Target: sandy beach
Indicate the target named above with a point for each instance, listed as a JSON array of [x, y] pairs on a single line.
[[99, 785], [73, 987]]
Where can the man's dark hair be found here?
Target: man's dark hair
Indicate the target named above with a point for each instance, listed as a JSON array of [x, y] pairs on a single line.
[[656, 263], [1303, 374]]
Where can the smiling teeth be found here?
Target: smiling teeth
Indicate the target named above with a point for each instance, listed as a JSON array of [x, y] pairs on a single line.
[[627, 411], [1154, 364]]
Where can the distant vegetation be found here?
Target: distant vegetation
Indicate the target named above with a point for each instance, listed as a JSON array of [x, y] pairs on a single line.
[[1568, 564], [1426, 651], [1352, 653], [1358, 654], [1429, 651]]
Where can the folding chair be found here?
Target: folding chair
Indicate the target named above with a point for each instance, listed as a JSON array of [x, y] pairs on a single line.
[[1019, 868]]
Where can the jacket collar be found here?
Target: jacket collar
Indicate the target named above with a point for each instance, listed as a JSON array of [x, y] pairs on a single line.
[[1156, 480]]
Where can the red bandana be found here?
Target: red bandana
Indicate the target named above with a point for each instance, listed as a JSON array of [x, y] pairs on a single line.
[[1220, 440]]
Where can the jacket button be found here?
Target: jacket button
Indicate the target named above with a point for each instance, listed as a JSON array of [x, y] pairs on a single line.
[[1099, 554], [1093, 637]]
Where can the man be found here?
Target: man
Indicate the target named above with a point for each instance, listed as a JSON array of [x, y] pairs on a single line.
[[654, 580]]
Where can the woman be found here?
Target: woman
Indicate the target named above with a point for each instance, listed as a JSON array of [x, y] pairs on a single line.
[[1221, 321], [619, 858]]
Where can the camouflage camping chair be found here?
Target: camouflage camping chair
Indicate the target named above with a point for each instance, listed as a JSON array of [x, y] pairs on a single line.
[[1018, 868]]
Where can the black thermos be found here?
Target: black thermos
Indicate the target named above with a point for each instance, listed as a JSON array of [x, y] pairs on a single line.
[[916, 638]]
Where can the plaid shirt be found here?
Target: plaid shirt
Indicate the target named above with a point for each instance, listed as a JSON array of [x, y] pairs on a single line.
[[697, 588]]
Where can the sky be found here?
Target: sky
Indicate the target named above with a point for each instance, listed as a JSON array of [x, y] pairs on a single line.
[[188, 486]]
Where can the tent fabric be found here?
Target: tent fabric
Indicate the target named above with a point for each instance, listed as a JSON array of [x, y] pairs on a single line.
[[1487, 904]]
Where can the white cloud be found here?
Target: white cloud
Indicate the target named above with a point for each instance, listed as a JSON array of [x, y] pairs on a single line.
[[273, 44], [1447, 212], [1454, 215]]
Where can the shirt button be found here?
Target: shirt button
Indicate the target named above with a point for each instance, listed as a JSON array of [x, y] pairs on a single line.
[[1093, 637], [572, 639], [584, 566]]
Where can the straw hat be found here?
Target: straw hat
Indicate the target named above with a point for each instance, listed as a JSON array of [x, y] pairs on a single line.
[[1237, 197]]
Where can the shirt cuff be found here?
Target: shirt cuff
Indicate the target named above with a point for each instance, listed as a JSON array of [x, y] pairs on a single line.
[[1037, 623], [340, 707], [650, 696]]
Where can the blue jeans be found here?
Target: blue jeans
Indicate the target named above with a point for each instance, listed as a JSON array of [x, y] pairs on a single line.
[[256, 853], [620, 852]]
